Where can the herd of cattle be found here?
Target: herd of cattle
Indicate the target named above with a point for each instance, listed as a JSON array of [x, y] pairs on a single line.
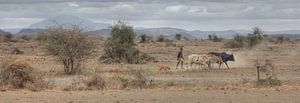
[[201, 60]]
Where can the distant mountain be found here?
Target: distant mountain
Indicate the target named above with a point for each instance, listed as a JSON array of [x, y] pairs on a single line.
[[283, 32], [2, 32], [69, 20], [155, 32], [294, 36], [224, 34], [171, 32], [102, 32], [29, 31], [166, 31], [13, 30]]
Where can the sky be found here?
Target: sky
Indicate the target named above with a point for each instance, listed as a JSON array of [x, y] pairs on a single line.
[[272, 15]]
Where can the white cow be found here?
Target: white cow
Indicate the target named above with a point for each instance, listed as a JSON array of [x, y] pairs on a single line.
[[199, 59]]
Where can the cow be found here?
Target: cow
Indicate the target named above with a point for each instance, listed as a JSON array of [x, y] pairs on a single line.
[[199, 59], [224, 56], [214, 59]]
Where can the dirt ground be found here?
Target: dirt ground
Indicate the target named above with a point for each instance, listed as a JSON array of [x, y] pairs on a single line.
[[236, 84], [152, 96]]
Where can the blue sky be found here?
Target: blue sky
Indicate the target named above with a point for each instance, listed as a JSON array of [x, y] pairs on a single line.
[[186, 14]]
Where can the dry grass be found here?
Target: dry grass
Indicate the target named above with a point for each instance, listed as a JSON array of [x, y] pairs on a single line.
[[134, 78]]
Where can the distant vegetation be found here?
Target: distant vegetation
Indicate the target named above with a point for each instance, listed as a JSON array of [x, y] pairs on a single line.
[[255, 37], [120, 47], [69, 44], [214, 38], [178, 36], [145, 39], [161, 38], [250, 40]]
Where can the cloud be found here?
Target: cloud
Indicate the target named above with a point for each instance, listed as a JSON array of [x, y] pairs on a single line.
[[73, 4], [184, 9], [187, 14], [122, 7]]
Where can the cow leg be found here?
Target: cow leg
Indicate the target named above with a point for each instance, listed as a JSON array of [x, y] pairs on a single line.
[[188, 64], [220, 65], [226, 65]]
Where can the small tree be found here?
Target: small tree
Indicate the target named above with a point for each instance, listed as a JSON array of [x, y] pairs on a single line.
[[69, 44], [280, 39], [120, 47], [238, 41], [161, 38], [144, 38], [178, 36], [215, 38], [209, 37], [255, 37]]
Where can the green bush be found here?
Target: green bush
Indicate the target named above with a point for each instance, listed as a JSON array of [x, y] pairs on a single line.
[[120, 47]]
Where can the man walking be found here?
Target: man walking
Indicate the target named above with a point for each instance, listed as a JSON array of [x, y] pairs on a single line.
[[180, 58]]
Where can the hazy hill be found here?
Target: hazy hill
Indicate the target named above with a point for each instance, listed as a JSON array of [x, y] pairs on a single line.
[[69, 20]]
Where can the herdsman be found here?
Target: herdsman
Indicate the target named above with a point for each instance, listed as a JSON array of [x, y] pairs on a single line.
[[180, 58]]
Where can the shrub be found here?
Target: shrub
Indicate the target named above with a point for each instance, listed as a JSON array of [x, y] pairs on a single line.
[[250, 40], [161, 38], [269, 82], [120, 47], [178, 36], [97, 82], [144, 38], [280, 39], [139, 79], [266, 66], [25, 37], [18, 74], [255, 37], [186, 39], [69, 44], [133, 79], [239, 41], [214, 38], [90, 82]]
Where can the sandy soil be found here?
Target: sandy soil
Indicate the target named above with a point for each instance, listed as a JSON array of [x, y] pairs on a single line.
[[191, 86], [152, 96]]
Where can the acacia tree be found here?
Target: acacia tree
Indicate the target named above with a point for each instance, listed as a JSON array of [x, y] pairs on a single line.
[[69, 44]]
